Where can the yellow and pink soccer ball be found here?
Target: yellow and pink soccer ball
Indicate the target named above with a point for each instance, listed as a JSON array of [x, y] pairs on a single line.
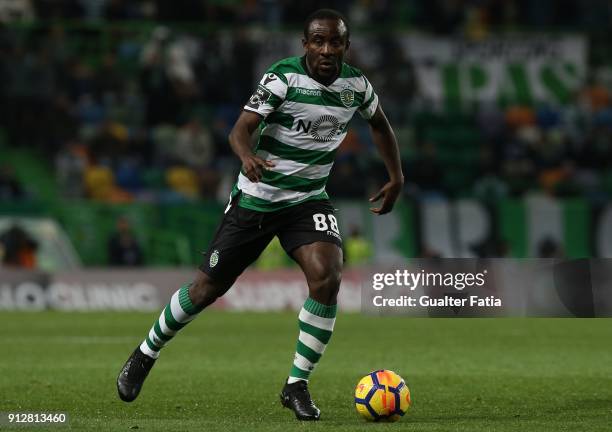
[[382, 396]]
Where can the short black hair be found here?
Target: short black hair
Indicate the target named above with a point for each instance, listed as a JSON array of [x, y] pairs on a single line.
[[326, 14]]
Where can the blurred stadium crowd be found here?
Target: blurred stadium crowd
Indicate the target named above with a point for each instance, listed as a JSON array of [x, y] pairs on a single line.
[[132, 110], [437, 15]]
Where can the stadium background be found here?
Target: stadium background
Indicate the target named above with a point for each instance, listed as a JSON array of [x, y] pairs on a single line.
[[123, 108], [115, 113]]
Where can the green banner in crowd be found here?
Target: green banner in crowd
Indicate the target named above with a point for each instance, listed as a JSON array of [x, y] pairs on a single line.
[[522, 69]]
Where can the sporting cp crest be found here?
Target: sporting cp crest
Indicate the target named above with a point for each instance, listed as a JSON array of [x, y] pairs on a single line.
[[214, 258], [347, 96]]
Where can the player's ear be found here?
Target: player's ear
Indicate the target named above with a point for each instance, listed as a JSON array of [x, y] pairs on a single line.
[[348, 43], [304, 42]]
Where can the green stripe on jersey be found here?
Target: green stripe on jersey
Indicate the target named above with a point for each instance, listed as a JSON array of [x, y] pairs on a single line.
[[288, 65], [282, 150], [321, 97], [349, 71], [367, 104], [293, 183], [280, 76], [262, 205], [283, 119], [274, 100]]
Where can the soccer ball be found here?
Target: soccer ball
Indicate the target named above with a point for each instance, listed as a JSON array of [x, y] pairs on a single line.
[[382, 395]]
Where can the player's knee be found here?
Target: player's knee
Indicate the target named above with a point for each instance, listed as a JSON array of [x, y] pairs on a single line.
[[204, 291], [333, 279], [324, 284]]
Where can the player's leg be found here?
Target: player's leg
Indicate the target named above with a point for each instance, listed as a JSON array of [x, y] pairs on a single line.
[[239, 240], [314, 242], [321, 263], [185, 304]]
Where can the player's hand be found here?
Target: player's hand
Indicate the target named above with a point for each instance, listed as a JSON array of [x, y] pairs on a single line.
[[253, 167], [389, 194]]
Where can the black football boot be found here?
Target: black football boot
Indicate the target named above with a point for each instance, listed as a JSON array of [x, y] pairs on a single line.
[[297, 398], [133, 374]]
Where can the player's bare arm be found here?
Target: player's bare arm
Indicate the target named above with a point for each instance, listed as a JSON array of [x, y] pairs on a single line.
[[240, 141], [384, 138]]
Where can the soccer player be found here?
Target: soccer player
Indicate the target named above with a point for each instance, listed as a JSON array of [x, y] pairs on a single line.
[[305, 104]]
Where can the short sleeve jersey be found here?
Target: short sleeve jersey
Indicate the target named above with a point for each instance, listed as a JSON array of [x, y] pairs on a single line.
[[304, 123]]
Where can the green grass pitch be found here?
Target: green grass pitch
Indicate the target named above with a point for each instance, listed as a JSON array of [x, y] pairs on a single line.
[[224, 372]]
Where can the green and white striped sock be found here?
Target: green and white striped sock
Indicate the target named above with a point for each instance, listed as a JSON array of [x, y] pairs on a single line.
[[316, 326], [174, 317]]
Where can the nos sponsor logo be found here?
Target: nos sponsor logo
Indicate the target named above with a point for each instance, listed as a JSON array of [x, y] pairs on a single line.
[[323, 129]]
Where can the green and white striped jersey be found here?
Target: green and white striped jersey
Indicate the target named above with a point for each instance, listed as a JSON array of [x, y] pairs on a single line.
[[304, 124]]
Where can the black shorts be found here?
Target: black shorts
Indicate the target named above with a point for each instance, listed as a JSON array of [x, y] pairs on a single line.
[[243, 235]]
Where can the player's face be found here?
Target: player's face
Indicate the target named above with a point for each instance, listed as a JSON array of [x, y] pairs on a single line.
[[325, 48]]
